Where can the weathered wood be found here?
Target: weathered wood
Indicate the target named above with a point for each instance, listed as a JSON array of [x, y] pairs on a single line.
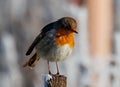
[[54, 80]]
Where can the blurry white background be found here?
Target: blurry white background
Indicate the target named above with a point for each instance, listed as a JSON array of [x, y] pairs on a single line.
[[22, 20]]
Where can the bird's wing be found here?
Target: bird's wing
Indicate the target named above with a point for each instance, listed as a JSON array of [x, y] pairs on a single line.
[[37, 39], [40, 37]]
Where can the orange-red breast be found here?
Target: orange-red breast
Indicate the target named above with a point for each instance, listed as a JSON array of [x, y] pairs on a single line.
[[54, 43]]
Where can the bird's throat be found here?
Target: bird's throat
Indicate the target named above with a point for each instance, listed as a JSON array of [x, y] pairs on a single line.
[[65, 39]]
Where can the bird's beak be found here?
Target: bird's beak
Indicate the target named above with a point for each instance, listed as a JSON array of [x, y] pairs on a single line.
[[74, 31]]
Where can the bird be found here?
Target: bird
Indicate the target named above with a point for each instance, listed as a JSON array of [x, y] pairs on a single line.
[[54, 43]]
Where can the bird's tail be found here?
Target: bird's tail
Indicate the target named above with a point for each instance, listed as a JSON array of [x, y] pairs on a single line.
[[32, 61]]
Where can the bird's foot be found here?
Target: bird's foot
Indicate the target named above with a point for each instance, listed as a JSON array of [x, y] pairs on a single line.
[[57, 74]]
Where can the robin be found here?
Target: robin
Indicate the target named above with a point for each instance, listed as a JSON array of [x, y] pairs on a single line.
[[54, 43]]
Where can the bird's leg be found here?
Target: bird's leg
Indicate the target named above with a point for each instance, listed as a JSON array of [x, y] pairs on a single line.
[[57, 68], [49, 68]]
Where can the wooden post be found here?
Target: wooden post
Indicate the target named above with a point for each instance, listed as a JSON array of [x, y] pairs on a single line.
[[100, 36], [54, 80]]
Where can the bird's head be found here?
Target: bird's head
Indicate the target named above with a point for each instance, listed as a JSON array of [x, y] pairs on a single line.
[[68, 23]]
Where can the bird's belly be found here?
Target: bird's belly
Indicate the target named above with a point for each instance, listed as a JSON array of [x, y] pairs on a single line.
[[54, 52]]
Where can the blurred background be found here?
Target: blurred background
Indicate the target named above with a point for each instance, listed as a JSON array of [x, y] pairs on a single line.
[[95, 61]]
